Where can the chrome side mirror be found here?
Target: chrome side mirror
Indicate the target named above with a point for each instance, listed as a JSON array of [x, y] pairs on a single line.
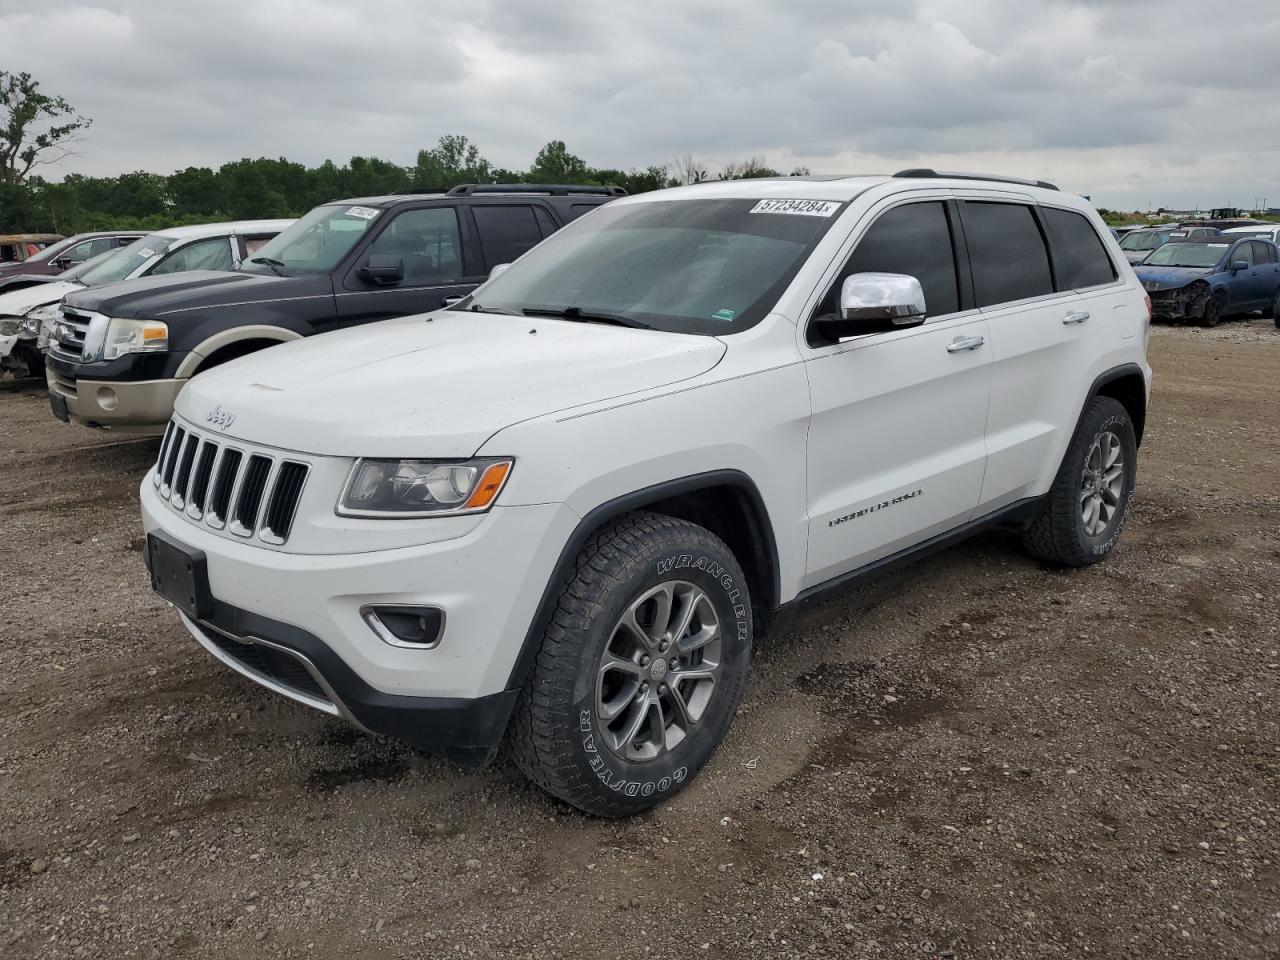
[[874, 303]]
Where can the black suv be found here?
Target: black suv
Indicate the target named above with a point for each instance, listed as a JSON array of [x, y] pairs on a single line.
[[345, 263]]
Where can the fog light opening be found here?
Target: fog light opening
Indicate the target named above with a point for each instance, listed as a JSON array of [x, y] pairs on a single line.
[[107, 398], [417, 628]]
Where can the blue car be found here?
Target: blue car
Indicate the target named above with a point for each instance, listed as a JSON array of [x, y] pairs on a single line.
[[1205, 280]]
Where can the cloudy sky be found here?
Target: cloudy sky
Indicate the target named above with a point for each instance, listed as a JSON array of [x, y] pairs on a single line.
[[1135, 102]]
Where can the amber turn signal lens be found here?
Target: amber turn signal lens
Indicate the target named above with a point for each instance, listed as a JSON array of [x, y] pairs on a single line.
[[491, 481]]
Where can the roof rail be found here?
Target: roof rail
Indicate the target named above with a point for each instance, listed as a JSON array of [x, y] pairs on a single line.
[[551, 189], [925, 173], [419, 192]]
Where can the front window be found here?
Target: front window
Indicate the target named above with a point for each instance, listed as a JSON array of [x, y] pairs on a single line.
[[315, 243], [1200, 255], [685, 266], [1144, 240], [125, 262]]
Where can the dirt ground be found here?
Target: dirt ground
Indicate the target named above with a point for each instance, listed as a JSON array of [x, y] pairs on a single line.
[[974, 757]]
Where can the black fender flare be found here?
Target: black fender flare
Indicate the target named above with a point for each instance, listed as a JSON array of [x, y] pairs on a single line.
[[627, 503]]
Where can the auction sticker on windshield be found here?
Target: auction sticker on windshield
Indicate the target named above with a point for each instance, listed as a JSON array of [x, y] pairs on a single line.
[[802, 208], [364, 213]]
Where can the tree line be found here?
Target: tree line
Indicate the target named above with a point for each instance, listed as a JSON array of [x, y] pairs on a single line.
[[37, 130]]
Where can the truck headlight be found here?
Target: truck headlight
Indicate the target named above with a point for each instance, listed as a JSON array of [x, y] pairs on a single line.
[[422, 488], [117, 337], [9, 326]]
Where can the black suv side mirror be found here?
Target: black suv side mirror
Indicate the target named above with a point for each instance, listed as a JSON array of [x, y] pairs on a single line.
[[386, 270], [874, 303]]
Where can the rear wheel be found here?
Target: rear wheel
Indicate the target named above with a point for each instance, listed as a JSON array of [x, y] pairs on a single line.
[[1084, 512], [1213, 309], [640, 670], [1275, 308]]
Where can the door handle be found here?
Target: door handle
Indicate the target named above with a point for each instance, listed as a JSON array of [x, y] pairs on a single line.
[[1075, 316], [965, 343], [449, 301]]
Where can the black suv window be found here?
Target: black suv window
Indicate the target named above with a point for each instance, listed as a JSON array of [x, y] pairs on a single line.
[[1079, 258], [211, 254], [914, 239], [428, 243], [506, 231], [1006, 252]]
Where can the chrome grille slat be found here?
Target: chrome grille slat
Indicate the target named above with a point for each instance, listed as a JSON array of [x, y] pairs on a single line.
[[76, 326], [230, 488]]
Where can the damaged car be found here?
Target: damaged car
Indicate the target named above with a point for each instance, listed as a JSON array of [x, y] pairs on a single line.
[[1205, 280]]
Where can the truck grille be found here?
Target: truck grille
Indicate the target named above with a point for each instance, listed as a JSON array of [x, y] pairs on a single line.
[[69, 333], [247, 493]]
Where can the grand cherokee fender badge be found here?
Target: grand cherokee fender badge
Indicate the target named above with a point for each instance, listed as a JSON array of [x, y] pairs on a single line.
[[900, 498], [221, 418]]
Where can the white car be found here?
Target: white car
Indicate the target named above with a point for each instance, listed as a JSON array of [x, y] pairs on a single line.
[[27, 314], [1267, 231], [563, 510]]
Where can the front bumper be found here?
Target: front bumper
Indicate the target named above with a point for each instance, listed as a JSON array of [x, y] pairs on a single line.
[[293, 622], [1183, 303], [118, 405]]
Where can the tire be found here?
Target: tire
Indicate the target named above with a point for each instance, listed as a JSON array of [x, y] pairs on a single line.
[[1213, 309], [1063, 533], [1275, 308], [35, 364], [566, 736]]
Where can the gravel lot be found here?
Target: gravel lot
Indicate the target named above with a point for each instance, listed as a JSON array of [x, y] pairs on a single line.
[[973, 757]]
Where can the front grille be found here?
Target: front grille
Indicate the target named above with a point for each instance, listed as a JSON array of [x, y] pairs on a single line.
[[247, 493], [69, 334], [268, 663]]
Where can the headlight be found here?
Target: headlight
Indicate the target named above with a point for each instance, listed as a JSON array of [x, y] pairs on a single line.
[[9, 326], [30, 326], [422, 488], [110, 339]]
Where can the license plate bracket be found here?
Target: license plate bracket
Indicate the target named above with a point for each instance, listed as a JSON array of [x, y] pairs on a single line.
[[180, 575]]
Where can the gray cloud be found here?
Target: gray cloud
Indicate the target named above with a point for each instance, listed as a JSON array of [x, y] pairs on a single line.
[[1132, 102]]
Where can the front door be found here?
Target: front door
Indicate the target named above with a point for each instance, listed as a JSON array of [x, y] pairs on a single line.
[[896, 447], [438, 268]]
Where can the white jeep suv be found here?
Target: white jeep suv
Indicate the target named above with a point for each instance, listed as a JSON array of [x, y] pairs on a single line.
[[560, 512]]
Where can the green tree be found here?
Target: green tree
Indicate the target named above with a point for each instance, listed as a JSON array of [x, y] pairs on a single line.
[[555, 164], [452, 161], [35, 129]]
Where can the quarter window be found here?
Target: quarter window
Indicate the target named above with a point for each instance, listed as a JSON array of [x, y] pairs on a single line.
[[1079, 258], [914, 239], [428, 243], [1006, 252], [506, 232]]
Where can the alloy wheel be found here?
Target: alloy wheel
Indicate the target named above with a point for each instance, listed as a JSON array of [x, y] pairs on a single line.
[[658, 670], [1102, 484]]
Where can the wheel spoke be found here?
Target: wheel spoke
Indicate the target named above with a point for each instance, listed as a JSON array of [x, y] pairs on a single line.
[[635, 722], [689, 601], [682, 717]]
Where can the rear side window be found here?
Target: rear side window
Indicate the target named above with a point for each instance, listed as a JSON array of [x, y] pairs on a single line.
[[1079, 258], [1006, 251], [506, 232], [914, 239]]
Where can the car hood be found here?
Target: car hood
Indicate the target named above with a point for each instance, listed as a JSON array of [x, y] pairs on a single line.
[[13, 269], [150, 298], [15, 303], [433, 385], [1169, 278]]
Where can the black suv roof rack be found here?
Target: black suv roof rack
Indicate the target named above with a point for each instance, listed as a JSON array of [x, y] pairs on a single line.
[[925, 173], [551, 189]]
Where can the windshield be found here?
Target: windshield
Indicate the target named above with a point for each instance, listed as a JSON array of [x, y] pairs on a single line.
[[1187, 255], [686, 266], [122, 264], [315, 243], [1144, 240], [77, 273]]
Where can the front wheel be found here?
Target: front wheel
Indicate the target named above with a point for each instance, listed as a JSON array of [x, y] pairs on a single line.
[[1275, 308], [640, 670], [1083, 513], [1213, 309]]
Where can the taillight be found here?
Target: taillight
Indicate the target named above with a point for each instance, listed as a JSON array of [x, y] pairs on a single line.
[[1147, 298]]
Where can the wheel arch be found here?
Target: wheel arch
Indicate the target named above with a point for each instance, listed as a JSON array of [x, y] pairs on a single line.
[[726, 502], [235, 338], [1127, 385]]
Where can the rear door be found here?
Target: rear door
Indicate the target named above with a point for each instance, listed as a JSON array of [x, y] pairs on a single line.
[[1266, 272], [1044, 338], [441, 265], [896, 449]]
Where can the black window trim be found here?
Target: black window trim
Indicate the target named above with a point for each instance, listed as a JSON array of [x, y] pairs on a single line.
[[960, 257], [1115, 268]]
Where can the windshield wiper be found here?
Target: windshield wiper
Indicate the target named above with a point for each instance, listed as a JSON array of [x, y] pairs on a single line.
[[587, 316], [478, 308], [276, 265]]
